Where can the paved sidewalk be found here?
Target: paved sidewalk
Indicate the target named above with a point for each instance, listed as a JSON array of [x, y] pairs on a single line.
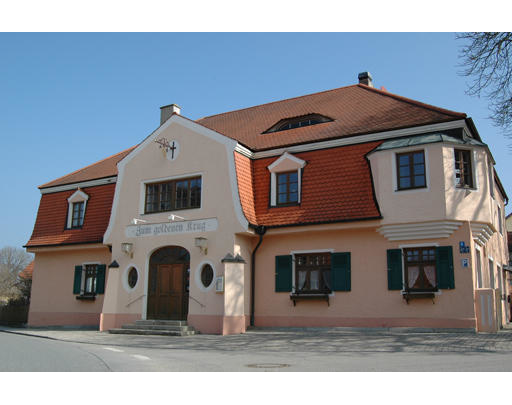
[[294, 340]]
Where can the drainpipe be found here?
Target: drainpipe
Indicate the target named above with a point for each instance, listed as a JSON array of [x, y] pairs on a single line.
[[260, 230]]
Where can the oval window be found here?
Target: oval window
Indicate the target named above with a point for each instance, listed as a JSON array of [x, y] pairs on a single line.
[[133, 276], [206, 275]]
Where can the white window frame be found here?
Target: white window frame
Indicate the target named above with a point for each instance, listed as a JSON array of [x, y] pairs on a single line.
[[126, 286], [298, 252], [285, 163], [395, 168], [197, 276], [478, 269], [473, 169], [77, 197], [490, 268], [82, 279], [143, 183], [415, 245]]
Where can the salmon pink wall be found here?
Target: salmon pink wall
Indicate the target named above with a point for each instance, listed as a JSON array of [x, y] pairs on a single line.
[[369, 303], [52, 301]]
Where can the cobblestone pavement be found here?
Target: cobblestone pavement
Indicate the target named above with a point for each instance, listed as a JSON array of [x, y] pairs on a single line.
[[303, 340]]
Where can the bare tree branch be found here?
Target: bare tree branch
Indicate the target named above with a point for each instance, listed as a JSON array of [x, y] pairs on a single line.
[[487, 60]]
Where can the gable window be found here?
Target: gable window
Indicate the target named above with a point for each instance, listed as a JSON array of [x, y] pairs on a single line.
[[77, 204], [463, 169], [173, 195], [411, 170], [287, 188]]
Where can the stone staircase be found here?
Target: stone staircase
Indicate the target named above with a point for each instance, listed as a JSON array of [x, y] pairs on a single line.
[[156, 327]]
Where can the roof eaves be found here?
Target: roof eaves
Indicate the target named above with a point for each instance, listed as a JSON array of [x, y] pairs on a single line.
[[414, 102], [50, 183]]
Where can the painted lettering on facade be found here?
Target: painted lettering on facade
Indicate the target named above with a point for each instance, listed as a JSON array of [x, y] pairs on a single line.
[[200, 225]]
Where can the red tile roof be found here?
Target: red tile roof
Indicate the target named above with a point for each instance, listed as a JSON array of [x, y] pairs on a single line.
[[104, 168], [336, 186], [51, 218], [356, 110], [27, 271]]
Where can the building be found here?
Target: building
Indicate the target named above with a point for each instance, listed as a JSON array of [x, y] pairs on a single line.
[[348, 207], [508, 222]]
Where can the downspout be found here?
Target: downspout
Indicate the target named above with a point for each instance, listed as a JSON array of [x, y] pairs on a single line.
[[260, 230]]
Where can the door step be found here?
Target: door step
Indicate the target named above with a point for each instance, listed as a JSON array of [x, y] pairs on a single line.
[[156, 327]]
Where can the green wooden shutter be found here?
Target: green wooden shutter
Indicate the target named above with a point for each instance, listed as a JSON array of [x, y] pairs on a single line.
[[444, 267], [395, 278], [77, 283], [340, 271], [284, 273], [100, 279]]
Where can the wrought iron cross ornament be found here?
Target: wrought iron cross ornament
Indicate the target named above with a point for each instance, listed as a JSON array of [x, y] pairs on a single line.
[[163, 144], [166, 147], [172, 149]]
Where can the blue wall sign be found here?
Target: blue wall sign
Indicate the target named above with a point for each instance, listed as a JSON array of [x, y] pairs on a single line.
[[463, 248]]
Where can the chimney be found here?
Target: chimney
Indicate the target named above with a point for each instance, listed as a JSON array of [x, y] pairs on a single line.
[[365, 78], [167, 110]]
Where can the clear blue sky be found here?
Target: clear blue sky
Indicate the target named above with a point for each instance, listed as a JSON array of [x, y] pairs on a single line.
[[68, 100]]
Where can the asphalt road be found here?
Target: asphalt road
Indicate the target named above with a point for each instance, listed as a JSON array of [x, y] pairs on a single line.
[[258, 351]]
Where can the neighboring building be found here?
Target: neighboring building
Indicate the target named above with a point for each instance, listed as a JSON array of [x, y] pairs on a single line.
[[27, 272], [348, 207], [508, 222]]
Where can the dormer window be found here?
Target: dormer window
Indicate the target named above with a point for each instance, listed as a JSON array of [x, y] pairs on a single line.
[[76, 209], [285, 180], [298, 122], [77, 219], [287, 188]]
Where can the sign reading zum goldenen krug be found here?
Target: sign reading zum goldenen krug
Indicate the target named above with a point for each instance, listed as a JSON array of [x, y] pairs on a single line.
[[172, 228]]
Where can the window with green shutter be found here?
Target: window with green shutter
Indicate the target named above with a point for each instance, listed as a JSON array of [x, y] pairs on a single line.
[[313, 273], [100, 281], [341, 272], [284, 270], [426, 269], [444, 266], [395, 281], [77, 281], [89, 280]]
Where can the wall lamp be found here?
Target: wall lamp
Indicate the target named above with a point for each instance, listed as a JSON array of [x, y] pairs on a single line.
[[202, 244], [127, 248]]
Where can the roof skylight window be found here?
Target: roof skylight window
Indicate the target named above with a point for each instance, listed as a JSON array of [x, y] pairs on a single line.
[[298, 122]]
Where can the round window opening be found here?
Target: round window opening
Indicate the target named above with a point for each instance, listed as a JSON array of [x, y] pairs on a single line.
[[206, 275], [133, 276]]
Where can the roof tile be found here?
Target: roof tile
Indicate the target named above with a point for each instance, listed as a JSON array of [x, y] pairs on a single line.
[[355, 110], [52, 215], [336, 186]]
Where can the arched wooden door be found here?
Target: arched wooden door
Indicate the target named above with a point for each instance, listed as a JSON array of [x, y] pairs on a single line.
[[168, 283]]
